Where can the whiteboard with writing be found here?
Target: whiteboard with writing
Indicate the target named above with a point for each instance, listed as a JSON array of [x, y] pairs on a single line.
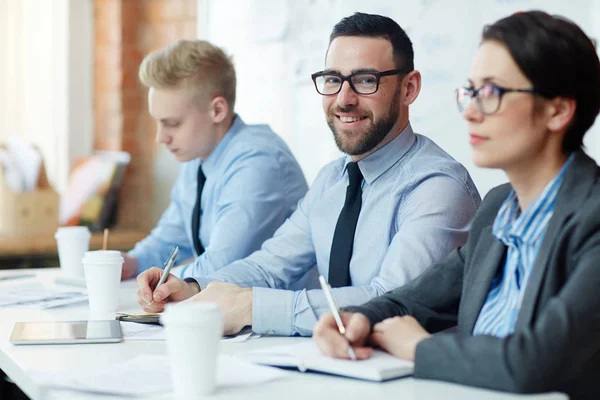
[[277, 44]]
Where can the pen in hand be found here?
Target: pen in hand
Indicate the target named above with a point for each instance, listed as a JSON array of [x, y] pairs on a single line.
[[336, 315], [168, 265]]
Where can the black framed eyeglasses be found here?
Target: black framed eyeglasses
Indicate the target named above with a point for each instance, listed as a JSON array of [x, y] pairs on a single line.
[[330, 83], [487, 98]]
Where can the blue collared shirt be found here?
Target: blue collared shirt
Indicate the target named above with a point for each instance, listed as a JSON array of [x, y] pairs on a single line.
[[522, 234], [253, 183], [417, 205]]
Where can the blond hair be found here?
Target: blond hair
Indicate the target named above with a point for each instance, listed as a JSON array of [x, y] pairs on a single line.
[[194, 64]]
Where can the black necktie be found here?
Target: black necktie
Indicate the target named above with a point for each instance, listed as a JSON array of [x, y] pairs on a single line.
[[343, 238], [196, 213]]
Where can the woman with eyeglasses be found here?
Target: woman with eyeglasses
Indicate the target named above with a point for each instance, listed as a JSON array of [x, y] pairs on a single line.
[[523, 291]]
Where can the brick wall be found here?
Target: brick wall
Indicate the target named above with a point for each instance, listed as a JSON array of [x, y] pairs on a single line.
[[125, 31]]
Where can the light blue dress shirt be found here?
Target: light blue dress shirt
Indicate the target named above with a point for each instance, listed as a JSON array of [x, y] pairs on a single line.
[[253, 183], [417, 206], [522, 233]]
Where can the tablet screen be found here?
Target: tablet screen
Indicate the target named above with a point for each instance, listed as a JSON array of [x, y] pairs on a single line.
[[66, 332]]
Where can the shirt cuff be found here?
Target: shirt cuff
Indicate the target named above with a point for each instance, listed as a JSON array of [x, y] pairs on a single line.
[[185, 271], [141, 260], [202, 282], [192, 280], [273, 311]]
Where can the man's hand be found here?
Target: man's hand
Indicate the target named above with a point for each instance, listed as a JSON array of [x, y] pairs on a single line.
[[130, 266], [173, 290], [234, 302], [331, 343], [399, 336]]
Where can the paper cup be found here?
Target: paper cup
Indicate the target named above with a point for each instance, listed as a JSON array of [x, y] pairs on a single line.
[[103, 279], [193, 331], [72, 243]]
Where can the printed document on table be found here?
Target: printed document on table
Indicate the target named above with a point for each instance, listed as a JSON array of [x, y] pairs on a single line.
[[147, 375], [137, 331], [36, 295]]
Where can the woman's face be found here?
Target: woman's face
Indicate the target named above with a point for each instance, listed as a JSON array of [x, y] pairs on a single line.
[[516, 132]]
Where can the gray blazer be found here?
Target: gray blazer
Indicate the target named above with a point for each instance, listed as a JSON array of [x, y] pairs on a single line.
[[556, 342]]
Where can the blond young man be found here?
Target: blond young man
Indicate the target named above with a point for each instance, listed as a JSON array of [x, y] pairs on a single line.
[[237, 183]]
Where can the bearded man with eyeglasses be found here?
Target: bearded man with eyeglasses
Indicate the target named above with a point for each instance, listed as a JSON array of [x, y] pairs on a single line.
[[372, 220]]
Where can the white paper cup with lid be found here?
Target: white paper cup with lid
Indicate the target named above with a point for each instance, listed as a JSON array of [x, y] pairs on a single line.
[[193, 331], [72, 243], [103, 279]]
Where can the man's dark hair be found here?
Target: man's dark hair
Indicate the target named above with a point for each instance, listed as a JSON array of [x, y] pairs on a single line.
[[559, 60], [377, 26]]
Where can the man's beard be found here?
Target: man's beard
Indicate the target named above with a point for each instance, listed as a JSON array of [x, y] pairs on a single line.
[[372, 137]]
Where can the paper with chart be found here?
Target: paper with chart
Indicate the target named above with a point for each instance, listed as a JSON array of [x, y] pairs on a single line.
[[36, 295], [137, 331], [147, 375]]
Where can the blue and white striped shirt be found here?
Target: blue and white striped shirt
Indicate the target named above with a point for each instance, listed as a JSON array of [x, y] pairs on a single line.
[[522, 234]]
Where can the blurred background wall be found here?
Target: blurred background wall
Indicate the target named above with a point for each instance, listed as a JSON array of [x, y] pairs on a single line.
[[68, 75]]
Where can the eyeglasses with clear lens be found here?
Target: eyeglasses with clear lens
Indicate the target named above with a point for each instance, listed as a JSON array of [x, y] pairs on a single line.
[[488, 98], [330, 83]]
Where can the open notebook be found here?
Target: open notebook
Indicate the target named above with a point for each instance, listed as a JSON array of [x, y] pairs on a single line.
[[305, 356]]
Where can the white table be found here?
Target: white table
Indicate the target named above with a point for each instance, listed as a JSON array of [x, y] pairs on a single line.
[[18, 362]]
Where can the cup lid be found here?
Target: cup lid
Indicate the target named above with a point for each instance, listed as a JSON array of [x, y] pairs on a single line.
[[72, 230], [191, 313], [97, 256]]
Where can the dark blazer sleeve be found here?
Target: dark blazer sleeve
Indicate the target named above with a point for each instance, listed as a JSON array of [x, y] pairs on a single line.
[[560, 343], [432, 298]]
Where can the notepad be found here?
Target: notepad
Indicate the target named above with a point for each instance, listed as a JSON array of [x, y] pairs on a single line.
[[306, 357]]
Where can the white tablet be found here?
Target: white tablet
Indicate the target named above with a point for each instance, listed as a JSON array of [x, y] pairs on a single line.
[[66, 332]]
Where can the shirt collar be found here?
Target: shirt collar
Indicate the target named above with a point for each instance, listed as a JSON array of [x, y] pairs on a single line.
[[530, 225], [374, 165], [211, 162]]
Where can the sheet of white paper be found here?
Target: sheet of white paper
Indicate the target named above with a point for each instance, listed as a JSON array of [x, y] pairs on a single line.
[[136, 331], [35, 295], [141, 376], [242, 336], [54, 302], [233, 371], [237, 338], [150, 374]]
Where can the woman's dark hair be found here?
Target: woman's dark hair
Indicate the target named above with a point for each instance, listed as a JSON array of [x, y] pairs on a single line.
[[377, 26], [560, 61]]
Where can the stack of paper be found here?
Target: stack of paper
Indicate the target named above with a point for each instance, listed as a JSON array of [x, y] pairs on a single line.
[[35, 295], [149, 374]]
